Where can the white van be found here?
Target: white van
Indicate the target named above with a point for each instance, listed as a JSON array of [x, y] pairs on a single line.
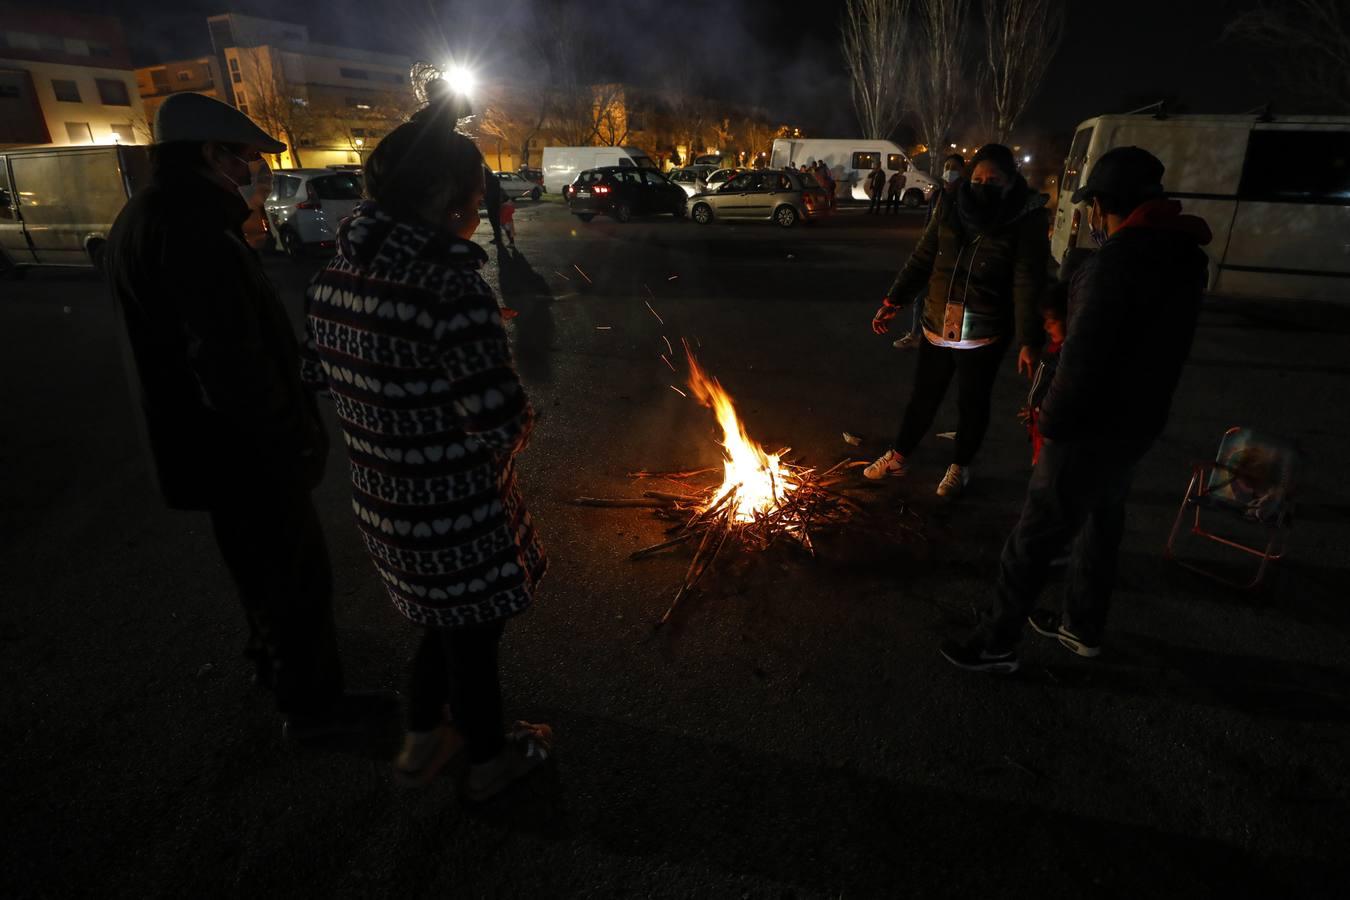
[[562, 165], [1275, 191], [850, 161], [57, 204]]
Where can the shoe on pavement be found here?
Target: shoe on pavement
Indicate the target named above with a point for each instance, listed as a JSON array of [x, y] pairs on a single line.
[[889, 463], [905, 343], [1051, 625], [974, 655], [527, 747], [354, 712], [425, 754], [953, 484]]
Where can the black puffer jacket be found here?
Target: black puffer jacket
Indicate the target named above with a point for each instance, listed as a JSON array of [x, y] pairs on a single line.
[[1133, 307], [984, 280], [213, 361]]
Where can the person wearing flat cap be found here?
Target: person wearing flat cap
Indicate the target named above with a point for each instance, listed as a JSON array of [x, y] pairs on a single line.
[[214, 368], [1133, 307]]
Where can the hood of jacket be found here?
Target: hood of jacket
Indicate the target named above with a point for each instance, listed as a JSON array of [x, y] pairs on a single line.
[[1019, 202], [371, 238], [1166, 215]]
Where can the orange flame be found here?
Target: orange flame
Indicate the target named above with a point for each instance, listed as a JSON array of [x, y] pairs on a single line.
[[759, 479]]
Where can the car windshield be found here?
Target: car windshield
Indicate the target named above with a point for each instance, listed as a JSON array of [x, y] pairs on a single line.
[[337, 187]]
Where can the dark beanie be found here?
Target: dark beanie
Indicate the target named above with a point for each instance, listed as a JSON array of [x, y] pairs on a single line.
[[1000, 156]]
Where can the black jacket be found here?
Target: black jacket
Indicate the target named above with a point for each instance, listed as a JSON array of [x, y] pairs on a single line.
[[212, 359], [983, 281], [1133, 307]]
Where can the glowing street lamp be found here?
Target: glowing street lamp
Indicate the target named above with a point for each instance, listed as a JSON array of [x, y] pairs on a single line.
[[461, 79], [1027, 158]]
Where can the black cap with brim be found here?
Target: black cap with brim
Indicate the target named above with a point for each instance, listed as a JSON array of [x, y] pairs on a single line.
[[1123, 172], [196, 117]]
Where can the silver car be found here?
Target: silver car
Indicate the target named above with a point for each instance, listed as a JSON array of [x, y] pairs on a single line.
[[306, 205], [780, 196], [518, 187], [690, 179], [719, 177]]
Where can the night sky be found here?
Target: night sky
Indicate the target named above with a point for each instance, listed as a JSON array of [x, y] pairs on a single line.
[[1117, 55]]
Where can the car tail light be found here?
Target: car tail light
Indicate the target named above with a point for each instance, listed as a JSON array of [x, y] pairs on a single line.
[[1073, 227], [311, 200], [602, 189]]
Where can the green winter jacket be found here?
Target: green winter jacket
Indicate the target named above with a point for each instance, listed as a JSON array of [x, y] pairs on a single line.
[[982, 282]]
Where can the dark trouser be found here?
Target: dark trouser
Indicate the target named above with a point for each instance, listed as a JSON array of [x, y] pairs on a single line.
[[1077, 493], [495, 220], [274, 549], [458, 667], [892, 203], [975, 371], [876, 203]]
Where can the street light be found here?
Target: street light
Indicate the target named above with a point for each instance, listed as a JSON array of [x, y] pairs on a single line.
[[1027, 158], [461, 79]]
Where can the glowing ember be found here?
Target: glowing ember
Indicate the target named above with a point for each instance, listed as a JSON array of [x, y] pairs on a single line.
[[760, 482]]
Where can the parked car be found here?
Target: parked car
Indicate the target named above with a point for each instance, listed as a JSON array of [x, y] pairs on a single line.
[[850, 161], [563, 164], [535, 175], [624, 192], [780, 196], [306, 205], [691, 179], [517, 187], [718, 177], [57, 204], [1275, 191]]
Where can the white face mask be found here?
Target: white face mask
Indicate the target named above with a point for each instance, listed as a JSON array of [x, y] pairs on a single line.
[[259, 184], [951, 176]]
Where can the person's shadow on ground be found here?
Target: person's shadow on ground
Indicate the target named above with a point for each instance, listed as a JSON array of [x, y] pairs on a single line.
[[527, 292]]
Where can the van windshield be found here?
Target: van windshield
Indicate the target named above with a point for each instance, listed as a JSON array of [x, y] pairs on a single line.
[[1073, 166], [645, 162]]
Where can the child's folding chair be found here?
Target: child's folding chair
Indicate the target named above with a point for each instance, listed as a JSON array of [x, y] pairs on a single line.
[[1250, 485]]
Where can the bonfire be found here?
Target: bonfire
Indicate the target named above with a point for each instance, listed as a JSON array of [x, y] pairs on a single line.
[[762, 498]]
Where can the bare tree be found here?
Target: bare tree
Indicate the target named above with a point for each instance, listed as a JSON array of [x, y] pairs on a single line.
[[273, 103], [1021, 38], [941, 70], [876, 39], [689, 112], [609, 114], [1313, 38]]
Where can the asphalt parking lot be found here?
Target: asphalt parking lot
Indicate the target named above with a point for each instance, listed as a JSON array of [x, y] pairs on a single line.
[[793, 732]]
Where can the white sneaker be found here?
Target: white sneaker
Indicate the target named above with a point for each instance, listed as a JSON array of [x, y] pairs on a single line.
[[890, 463], [425, 753], [954, 482]]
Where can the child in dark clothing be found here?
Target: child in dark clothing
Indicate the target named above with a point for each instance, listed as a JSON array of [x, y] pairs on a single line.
[[1054, 312]]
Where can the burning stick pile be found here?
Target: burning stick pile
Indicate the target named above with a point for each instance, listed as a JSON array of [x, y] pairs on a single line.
[[761, 499]]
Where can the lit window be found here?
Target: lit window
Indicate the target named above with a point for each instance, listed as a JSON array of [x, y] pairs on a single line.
[[234, 64]]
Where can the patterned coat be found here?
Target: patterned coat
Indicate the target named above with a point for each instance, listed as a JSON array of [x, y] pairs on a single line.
[[411, 345]]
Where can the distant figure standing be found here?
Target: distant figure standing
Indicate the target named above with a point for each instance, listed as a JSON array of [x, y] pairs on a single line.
[[1133, 308], [508, 217], [876, 187], [492, 201], [215, 371], [895, 186]]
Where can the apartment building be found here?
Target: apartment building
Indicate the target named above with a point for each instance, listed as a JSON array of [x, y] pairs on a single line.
[[200, 75], [330, 105], [66, 79]]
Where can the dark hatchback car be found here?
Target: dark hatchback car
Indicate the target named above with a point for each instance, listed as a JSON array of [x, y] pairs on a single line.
[[624, 192]]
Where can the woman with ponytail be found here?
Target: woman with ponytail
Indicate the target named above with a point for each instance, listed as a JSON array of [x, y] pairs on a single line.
[[412, 347]]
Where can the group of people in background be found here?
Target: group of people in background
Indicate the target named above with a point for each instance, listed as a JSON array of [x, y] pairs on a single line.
[[406, 338]]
